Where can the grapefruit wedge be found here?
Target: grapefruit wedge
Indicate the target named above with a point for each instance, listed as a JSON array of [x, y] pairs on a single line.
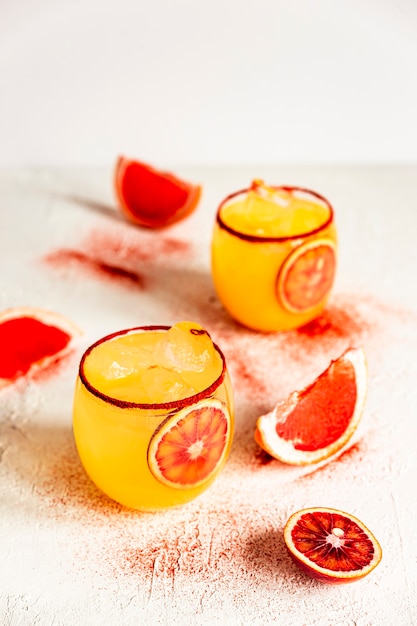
[[330, 545], [151, 198], [314, 424], [31, 339], [190, 447]]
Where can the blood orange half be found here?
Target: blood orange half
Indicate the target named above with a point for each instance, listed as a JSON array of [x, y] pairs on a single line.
[[307, 275], [190, 447], [152, 198], [331, 545], [31, 339], [314, 424]]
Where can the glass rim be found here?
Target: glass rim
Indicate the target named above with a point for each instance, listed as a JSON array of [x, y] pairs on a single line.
[[269, 239], [126, 404]]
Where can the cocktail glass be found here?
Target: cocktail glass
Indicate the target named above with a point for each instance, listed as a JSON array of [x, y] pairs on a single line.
[[274, 253], [153, 414]]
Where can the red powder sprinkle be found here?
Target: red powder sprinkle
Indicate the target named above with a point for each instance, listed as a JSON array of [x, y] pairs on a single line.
[[67, 257], [338, 322], [25, 341], [353, 454], [120, 256], [203, 541], [133, 247], [245, 374]]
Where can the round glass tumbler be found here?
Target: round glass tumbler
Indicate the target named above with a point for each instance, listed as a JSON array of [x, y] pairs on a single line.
[[274, 253], [153, 414]]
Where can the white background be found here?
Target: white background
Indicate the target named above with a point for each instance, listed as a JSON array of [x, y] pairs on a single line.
[[208, 82]]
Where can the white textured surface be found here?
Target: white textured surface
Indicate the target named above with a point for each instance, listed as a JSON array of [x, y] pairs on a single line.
[[69, 556]]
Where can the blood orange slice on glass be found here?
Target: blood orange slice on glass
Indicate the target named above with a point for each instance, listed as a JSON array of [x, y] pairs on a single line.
[[314, 424], [306, 277], [190, 447], [331, 545], [31, 338], [152, 198]]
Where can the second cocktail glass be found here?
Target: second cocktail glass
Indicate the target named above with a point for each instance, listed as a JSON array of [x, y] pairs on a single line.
[[274, 255]]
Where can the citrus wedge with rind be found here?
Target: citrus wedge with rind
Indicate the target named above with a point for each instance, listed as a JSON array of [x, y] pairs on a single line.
[[316, 423], [307, 275], [152, 198], [31, 338], [189, 447], [331, 545]]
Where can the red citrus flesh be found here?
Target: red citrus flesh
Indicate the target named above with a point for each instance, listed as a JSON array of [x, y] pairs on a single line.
[[151, 198], [306, 277], [189, 448], [314, 424], [330, 545], [31, 338]]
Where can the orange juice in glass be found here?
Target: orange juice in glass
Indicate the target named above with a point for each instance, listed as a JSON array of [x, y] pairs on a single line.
[[153, 414], [274, 255]]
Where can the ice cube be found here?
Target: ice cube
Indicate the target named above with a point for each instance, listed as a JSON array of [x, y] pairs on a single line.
[[186, 347], [118, 359], [263, 208], [163, 385]]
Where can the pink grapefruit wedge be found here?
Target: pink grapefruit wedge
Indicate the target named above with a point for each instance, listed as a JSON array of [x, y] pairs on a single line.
[[314, 424]]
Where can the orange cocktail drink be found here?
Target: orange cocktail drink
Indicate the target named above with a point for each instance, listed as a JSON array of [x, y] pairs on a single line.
[[153, 414], [274, 256]]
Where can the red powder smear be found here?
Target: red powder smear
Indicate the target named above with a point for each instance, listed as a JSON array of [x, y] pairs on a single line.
[[134, 247], [186, 552], [342, 325], [67, 490], [68, 258], [336, 322], [214, 543], [26, 341], [245, 375], [203, 541], [353, 454], [258, 362], [119, 256]]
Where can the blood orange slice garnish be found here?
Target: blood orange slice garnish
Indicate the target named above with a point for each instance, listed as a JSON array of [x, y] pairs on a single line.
[[152, 198], [314, 424], [306, 277], [190, 447], [331, 545], [32, 338]]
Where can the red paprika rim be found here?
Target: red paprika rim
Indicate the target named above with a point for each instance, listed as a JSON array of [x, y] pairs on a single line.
[[125, 404], [268, 239]]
